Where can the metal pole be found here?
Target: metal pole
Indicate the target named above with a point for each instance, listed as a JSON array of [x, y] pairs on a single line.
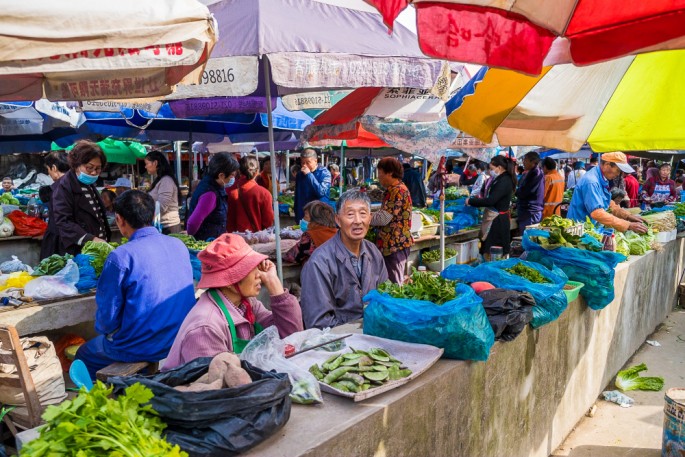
[[287, 168], [342, 169], [274, 183], [177, 150]]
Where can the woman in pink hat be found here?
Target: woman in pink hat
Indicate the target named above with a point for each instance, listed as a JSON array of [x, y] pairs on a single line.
[[227, 316]]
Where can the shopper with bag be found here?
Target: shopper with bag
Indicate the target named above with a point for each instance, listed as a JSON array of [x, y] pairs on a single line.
[[164, 190], [228, 315], [496, 226]]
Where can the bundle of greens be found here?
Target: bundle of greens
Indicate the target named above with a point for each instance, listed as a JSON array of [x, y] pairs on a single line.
[[557, 221], [451, 193], [434, 214], [663, 221], [190, 241], [93, 424], [51, 265], [286, 199], [8, 199], [434, 256], [526, 272], [679, 209], [99, 252], [423, 286], [630, 379]]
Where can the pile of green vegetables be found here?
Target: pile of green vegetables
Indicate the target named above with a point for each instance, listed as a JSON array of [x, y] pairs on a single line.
[[434, 256], [630, 379], [679, 209], [434, 214], [423, 286], [8, 199], [631, 243], [526, 272], [286, 199], [357, 371], [190, 241], [557, 221], [568, 195], [51, 265], [93, 424], [99, 253]]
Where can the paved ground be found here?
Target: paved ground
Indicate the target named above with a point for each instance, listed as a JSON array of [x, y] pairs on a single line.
[[613, 431]]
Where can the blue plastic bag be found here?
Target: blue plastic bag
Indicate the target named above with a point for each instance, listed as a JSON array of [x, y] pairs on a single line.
[[87, 277], [195, 264], [550, 300], [594, 269], [460, 326]]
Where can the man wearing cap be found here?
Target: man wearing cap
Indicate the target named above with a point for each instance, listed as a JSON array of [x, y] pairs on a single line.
[[344, 269], [144, 292], [228, 315], [592, 197]]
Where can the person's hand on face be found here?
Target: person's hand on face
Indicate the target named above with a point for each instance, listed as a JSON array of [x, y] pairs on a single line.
[[269, 277], [305, 169]]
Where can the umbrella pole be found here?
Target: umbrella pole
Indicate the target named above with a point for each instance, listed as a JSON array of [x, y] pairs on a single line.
[[177, 150], [287, 168], [442, 229], [274, 182], [342, 169]]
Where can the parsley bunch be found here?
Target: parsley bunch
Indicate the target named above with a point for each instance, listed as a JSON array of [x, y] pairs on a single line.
[[92, 424]]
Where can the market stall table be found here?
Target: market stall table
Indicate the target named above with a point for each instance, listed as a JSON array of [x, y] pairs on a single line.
[[43, 316]]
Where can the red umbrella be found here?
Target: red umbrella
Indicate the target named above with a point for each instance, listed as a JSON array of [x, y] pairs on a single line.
[[521, 33]]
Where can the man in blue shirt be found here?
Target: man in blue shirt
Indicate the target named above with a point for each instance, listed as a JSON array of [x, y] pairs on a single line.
[[313, 182], [592, 198], [144, 292], [7, 185]]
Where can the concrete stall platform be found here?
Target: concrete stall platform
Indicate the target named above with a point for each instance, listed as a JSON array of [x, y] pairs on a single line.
[[523, 401]]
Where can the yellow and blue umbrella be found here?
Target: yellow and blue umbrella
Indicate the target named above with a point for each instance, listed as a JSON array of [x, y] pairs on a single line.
[[629, 104]]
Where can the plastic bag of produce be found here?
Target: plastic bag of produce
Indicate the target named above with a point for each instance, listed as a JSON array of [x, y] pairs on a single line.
[[63, 284], [14, 265], [25, 225], [550, 300], [459, 326], [6, 228], [220, 422], [16, 280], [267, 351], [594, 269], [508, 311], [314, 337]]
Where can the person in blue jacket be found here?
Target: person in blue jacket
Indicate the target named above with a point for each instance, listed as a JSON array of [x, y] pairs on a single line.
[[313, 182], [530, 192], [144, 292]]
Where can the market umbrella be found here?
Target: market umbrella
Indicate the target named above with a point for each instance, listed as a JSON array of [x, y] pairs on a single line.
[[84, 50], [338, 48], [520, 34], [631, 103], [35, 118], [126, 152]]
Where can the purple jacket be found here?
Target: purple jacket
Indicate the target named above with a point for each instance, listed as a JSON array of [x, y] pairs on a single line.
[[205, 332], [531, 191]]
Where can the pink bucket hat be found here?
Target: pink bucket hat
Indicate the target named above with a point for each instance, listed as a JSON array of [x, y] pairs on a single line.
[[227, 261]]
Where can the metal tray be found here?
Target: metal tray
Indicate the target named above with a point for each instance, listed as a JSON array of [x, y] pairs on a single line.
[[417, 357]]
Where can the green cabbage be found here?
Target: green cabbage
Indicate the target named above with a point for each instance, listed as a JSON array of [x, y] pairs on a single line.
[[630, 379], [99, 252]]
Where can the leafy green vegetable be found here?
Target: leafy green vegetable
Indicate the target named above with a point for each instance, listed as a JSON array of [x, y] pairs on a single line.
[[679, 209], [528, 273], [8, 199], [557, 221], [99, 252], [434, 256], [190, 241], [51, 265], [630, 379], [92, 424], [435, 214], [423, 286], [287, 199], [451, 193]]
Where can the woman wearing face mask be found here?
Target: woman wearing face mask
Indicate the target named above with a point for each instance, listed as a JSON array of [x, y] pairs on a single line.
[[57, 166], [496, 227], [77, 209], [164, 189], [318, 226], [208, 206], [228, 315]]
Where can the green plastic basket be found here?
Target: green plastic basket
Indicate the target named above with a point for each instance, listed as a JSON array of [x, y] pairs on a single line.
[[572, 294]]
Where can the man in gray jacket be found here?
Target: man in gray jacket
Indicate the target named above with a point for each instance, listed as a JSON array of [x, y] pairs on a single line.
[[344, 269]]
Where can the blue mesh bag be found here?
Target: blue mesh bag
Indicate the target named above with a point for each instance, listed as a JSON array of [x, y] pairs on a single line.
[[460, 326]]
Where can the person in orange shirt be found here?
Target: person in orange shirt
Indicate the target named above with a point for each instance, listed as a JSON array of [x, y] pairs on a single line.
[[554, 188]]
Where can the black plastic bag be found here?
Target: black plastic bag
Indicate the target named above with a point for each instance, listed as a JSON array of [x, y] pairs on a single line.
[[220, 422], [508, 311]]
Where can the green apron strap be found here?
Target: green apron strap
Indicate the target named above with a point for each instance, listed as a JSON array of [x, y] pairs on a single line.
[[238, 344]]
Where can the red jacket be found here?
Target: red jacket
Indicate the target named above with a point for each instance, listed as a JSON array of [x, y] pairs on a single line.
[[632, 189], [250, 207]]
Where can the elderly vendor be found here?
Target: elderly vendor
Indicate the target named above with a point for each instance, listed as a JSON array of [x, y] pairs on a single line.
[[343, 269], [144, 292], [592, 197], [228, 315]]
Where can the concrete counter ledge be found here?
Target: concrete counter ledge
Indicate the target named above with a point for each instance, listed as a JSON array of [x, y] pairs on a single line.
[[522, 402]]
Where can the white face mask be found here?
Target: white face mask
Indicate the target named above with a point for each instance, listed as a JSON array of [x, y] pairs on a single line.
[[493, 173]]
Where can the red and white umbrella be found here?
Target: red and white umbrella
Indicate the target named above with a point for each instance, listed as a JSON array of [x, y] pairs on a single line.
[[521, 34], [84, 50]]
